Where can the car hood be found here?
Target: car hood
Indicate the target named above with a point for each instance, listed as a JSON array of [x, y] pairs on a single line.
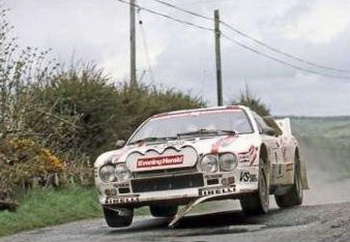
[[179, 153]]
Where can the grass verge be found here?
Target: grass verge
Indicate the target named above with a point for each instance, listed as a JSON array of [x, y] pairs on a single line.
[[46, 207]]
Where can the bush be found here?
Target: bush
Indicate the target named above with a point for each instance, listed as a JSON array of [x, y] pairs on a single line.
[[254, 103], [100, 112], [21, 162], [82, 97], [139, 103]]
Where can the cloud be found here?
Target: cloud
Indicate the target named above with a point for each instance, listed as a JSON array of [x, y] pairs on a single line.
[[183, 57], [319, 24]]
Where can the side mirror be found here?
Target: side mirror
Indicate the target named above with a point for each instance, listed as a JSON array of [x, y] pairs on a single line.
[[120, 144], [269, 131]]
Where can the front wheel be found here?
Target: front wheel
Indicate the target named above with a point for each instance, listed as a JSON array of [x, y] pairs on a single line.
[[258, 202], [118, 217], [294, 196]]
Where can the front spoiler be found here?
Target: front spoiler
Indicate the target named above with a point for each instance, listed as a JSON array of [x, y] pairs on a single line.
[[179, 197], [189, 202]]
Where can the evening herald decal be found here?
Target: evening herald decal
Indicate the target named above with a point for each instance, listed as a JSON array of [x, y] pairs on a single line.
[[160, 161]]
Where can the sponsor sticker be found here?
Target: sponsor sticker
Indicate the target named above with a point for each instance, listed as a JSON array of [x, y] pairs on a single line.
[[160, 161], [246, 176], [249, 156]]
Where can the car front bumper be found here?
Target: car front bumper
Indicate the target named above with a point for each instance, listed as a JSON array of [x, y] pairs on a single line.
[[178, 188]]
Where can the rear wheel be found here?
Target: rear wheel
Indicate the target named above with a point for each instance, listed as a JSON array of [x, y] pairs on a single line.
[[163, 210], [258, 202], [118, 217], [294, 196]]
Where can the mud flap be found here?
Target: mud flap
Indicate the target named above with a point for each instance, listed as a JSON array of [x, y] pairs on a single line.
[[182, 212]]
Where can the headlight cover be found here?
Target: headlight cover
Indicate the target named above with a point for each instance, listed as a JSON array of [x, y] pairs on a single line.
[[209, 164], [107, 173], [122, 172], [228, 162]]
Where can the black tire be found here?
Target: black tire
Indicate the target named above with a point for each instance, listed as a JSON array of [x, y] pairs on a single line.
[[294, 196], [163, 210], [118, 217], [258, 202]]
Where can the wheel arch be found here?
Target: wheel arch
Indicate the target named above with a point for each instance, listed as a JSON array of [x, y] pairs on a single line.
[[302, 167], [264, 154]]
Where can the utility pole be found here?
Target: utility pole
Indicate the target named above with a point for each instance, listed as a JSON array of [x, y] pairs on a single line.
[[218, 57], [133, 81]]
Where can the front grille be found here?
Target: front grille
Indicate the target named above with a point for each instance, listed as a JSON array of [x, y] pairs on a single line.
[[165, 172], [167, 183]]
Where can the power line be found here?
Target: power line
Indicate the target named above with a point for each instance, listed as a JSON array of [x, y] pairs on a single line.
[[237, 43], [282, 61], [167, 16], [184, 10], [284, 53]]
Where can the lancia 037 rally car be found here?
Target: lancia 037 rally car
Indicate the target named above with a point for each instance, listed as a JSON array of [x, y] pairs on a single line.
[[190, 156]]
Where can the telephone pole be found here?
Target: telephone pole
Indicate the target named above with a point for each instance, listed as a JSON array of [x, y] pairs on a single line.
[[218, 57], [133, 81]]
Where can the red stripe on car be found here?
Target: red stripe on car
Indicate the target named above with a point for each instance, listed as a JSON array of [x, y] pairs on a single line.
[[222, 142]]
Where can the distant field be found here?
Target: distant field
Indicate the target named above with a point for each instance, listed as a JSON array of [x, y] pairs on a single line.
[[325, 143], [333, 127]]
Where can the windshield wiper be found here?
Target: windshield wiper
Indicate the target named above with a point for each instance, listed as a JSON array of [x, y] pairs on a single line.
[[150, 139], [207, 132], [226, 131]]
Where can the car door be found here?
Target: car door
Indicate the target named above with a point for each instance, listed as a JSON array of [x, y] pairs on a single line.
[[274, 149]]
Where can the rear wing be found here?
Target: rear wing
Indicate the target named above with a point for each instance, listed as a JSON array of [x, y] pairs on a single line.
[[284, 125]]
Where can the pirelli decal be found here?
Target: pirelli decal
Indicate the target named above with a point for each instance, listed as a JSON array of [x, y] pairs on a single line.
[[160, 161]]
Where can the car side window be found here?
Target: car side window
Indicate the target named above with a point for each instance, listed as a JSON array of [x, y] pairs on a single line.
[[260, 122]]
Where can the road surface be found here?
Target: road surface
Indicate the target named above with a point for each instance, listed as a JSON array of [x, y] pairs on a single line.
[[330, 222]]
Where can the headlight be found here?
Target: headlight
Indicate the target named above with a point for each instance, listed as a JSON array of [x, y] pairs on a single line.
[[122, 172], [228, 162], [107, 173], [209, 164]]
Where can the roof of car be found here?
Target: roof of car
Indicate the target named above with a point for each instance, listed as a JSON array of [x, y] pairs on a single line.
[[185, 111]]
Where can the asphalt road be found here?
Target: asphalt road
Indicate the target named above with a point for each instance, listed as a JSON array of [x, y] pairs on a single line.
[[326, 222]]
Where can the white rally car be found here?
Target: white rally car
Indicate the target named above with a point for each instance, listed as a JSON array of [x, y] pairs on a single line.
[[190, 156]]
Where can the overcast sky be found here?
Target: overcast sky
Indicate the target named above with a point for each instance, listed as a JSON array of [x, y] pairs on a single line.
[[183, 57]]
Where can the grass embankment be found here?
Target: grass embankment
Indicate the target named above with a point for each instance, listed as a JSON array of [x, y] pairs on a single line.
[[48, 207], [45, 207]]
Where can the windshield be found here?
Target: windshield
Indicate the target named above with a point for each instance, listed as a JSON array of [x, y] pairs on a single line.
[[171, 126]]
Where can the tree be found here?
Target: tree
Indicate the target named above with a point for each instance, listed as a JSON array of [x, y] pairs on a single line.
[[20, 68]]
